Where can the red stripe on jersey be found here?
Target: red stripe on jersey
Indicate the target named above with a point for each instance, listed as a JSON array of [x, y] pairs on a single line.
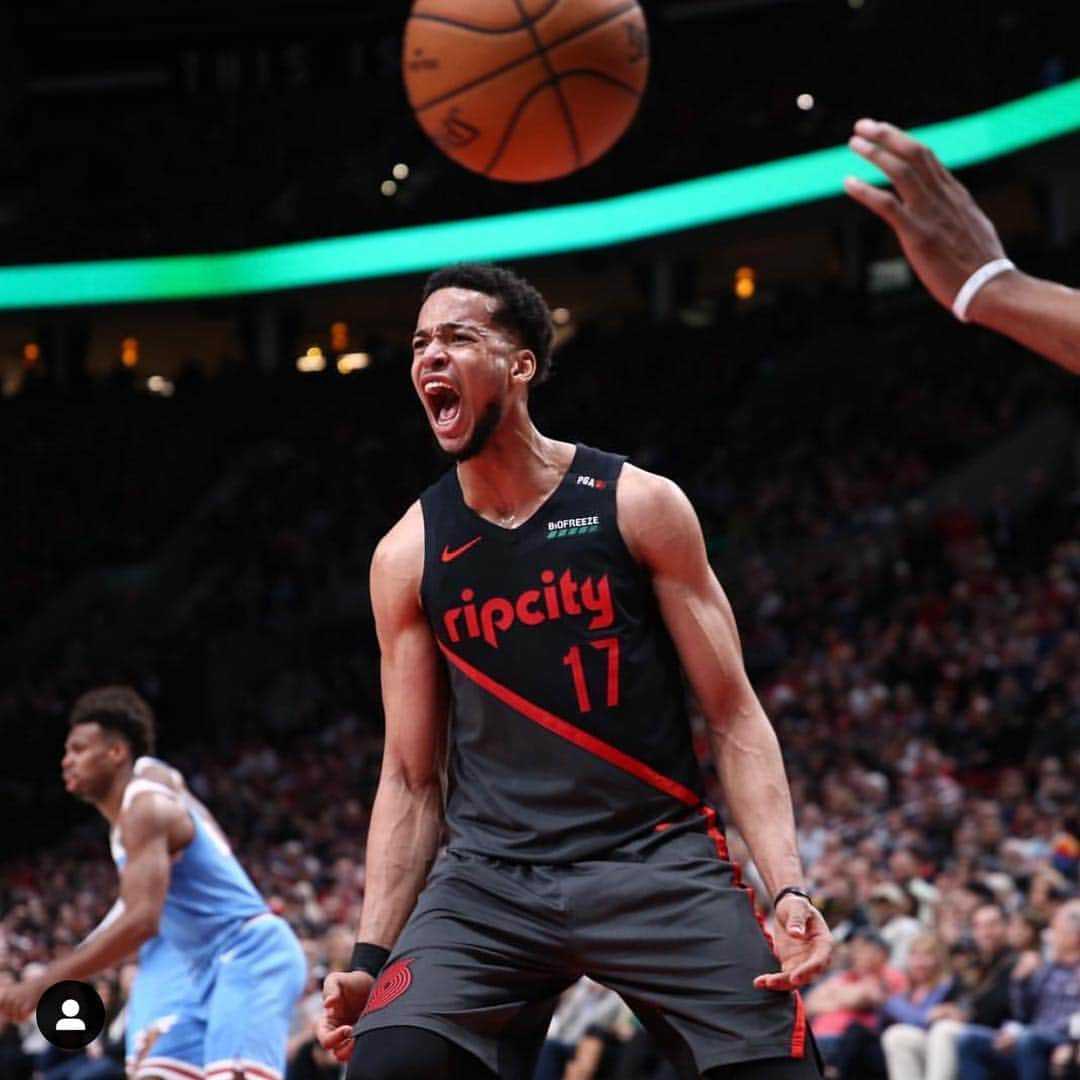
[[573, 734]]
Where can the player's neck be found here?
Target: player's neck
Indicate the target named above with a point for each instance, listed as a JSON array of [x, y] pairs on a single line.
[[112, 803], [515, 472]]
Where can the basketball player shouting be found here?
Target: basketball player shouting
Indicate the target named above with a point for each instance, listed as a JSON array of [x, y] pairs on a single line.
[[533, 610], [216, 987]]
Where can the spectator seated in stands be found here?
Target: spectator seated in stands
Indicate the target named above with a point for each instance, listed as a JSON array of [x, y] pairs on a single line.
[[845, 1010], [909, 1013], [1044, 996], [978, 993], [890, 912]]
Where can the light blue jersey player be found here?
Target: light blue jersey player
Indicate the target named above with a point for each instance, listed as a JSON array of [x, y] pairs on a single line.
[[220, 974]]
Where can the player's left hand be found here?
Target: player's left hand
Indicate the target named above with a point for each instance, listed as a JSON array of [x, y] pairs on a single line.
[[19, 1000], [803, 944]]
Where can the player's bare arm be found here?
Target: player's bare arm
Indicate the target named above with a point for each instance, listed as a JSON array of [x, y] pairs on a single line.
[[946, 238], [662, 531], [152, 826], [407, 816]]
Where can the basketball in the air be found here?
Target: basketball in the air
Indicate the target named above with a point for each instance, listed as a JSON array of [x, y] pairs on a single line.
[[525, 90]]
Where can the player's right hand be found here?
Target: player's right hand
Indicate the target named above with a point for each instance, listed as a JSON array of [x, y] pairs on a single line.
[[344, 995]]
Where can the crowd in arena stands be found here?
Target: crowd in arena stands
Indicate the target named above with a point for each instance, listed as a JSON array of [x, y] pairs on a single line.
[[926, 686], [935, 763], [954, 965]]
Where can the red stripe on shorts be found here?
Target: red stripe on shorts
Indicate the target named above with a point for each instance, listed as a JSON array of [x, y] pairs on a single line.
[[798, 1032], [798, 1035]]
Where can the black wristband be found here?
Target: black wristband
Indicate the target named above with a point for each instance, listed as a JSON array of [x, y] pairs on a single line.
[[791, 890], [368, 957]]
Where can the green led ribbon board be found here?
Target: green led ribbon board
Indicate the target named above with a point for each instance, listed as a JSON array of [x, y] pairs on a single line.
[[707, 200]]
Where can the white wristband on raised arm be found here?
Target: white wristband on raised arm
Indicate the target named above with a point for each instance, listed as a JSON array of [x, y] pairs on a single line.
[[985, 273]]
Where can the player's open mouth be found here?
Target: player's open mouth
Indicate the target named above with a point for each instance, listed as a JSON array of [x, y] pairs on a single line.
[[444, 402]]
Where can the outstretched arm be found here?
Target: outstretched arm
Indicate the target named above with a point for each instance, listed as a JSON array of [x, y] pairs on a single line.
[[662, 531], [406, 819], [144, 881], [946, 238]]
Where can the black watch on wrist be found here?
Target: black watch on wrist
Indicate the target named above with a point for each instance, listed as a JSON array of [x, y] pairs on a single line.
[[792, 890]]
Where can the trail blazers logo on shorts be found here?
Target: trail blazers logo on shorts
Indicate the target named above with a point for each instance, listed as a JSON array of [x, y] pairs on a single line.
[[393, 982]]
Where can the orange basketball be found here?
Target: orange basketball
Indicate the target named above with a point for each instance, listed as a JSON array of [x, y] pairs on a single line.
[[525, 90]]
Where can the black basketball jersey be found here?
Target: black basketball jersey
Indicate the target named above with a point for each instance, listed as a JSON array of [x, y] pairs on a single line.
[[569, 735]]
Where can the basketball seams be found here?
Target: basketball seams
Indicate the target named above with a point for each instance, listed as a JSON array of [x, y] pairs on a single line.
[[633, 91], [515, 116], [529, 21], [509, 66], [564, 107]]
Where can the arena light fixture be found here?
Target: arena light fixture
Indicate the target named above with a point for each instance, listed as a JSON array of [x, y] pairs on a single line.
[[755, 189]]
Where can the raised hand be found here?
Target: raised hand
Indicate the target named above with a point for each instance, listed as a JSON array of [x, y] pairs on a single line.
[[944, 234]]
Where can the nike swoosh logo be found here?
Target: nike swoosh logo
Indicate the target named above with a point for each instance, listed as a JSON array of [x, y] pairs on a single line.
[[450, 556]]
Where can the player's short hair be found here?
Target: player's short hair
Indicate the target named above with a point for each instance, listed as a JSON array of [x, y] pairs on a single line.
[[121, 710], [521, 309]]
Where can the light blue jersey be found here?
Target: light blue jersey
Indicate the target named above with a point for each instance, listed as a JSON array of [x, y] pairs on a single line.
[[217, 986], [209, 894]]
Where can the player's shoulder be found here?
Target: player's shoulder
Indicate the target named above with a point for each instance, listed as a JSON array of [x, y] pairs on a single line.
[[399, 556], [158, 771], [148, 808], [644, 494], [404, 541], [653, 512]]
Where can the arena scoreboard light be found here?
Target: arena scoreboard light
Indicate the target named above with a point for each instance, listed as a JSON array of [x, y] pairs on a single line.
[[707, 200]]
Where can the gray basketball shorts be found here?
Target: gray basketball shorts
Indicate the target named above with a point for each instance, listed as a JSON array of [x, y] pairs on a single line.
[[491, 944]]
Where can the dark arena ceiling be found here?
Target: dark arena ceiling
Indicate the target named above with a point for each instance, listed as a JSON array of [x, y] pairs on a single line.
[[134, 129]]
